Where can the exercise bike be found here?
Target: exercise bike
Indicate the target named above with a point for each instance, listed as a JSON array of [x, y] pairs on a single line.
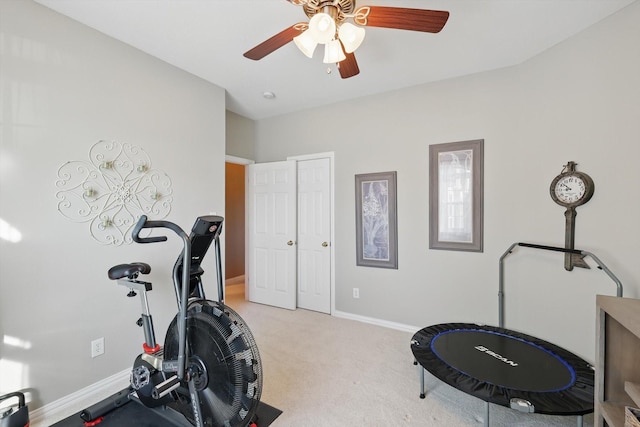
[[209, 368]]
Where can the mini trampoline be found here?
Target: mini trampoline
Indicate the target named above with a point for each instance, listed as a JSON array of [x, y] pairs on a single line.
[[508, 368]]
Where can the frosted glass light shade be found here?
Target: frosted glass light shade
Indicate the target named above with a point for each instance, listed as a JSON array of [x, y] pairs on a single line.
[[305, 43], [322, 28], [350, 36], [333, 52]]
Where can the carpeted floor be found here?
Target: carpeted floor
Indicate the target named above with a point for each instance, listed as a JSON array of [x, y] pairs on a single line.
[[324, 371]]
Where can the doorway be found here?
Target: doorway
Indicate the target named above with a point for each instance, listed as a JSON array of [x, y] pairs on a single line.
[[234, 226], [314, 282]]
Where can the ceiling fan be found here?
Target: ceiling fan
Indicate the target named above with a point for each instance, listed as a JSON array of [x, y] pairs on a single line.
[[328, 25]]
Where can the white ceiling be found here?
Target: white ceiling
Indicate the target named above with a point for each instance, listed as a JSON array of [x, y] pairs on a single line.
[[208, 37]]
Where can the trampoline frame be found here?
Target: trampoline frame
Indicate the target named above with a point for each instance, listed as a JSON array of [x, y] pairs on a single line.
[[523, 406]]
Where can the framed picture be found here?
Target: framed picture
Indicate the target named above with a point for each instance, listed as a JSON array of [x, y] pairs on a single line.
[[456, 195], [376, 220]]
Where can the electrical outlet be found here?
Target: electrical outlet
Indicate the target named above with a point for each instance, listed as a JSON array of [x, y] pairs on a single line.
[[97, 347], [356, 292]]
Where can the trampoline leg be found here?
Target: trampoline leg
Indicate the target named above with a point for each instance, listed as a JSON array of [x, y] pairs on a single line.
[[579, 420], [486, 414], [422, 392]]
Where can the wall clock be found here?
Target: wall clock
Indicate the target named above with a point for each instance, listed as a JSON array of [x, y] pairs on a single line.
[[571, 189]]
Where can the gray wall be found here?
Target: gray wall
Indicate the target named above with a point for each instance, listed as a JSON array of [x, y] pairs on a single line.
[[241, 136], [64, 87], [578, 101]]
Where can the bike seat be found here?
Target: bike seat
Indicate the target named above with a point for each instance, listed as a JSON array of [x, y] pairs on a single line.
[[128, 270]]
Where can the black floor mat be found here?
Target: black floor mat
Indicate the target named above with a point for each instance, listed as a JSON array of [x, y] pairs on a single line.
[[135, 414]]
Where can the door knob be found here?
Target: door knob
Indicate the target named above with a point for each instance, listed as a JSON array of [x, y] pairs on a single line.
[[290, 243], [325, 244]]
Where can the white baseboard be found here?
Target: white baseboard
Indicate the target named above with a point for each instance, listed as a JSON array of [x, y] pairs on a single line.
[[378, 322], [79, 400]]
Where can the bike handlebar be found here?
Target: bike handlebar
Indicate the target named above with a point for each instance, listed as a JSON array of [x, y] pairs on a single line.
[[143, 223], [19, 395], [183, 295]]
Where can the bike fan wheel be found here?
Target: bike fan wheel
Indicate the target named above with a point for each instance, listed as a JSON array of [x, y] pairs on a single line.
[[223, 350]]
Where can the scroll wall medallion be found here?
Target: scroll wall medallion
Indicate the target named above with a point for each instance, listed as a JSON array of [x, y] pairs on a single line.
[[112, 190]]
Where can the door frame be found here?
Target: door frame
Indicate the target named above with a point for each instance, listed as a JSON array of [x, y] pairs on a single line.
[[331, 156], [245, 162]]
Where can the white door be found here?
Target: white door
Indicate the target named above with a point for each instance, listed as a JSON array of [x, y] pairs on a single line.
[[271, 207], [314, 234]]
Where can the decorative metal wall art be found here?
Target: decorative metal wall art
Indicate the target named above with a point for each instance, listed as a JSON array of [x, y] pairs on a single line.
[[112, 190]]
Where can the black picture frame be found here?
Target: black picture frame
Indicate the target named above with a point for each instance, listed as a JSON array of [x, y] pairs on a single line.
[[376, 220], [456, 196]]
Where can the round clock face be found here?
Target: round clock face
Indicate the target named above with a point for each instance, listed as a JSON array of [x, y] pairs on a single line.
[[570, 189]]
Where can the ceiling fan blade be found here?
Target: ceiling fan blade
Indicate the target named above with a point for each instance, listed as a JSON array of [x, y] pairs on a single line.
[[348, 67], [276, 42], [429, 21]]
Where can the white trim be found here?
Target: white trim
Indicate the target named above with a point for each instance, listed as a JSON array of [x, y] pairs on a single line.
[[75, 402], [329, 154], [238, 160], [378, 322], [245, 162]]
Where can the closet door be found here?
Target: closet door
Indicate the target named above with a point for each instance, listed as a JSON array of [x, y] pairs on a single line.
[[272, 249], [314, 234]]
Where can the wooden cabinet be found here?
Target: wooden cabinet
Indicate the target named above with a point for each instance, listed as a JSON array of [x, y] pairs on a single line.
[[617, 359]]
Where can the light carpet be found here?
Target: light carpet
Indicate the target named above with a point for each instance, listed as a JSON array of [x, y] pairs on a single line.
[[324, 371]]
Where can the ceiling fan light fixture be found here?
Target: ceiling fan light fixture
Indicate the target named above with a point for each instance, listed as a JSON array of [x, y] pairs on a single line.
[[305, 43], [350, 36], [333, 52], [322, 28]]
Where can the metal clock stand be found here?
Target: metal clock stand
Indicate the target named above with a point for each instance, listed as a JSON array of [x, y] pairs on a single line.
[[571, 189]]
